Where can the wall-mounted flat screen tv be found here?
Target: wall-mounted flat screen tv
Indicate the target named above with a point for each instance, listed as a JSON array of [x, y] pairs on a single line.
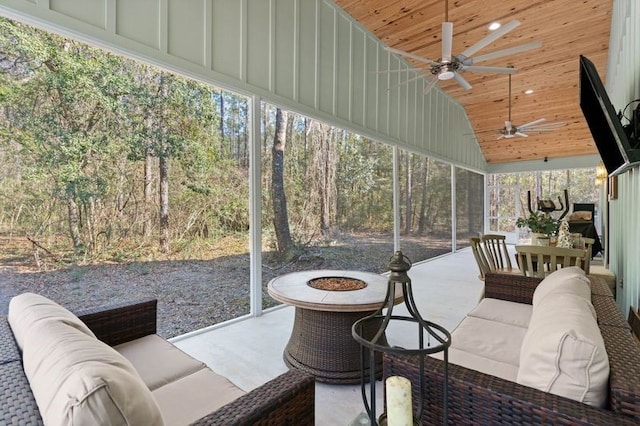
[[612, 142]]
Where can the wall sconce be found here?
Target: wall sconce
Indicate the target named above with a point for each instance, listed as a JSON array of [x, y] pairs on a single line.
[[431, 338], [601, 175]]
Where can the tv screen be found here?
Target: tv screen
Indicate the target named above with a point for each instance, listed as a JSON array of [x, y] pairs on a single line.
[[608, 134]]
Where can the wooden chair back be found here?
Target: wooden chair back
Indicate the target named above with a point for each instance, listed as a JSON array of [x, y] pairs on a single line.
[[479, 255], [634, 322], [539, 261], [588, 243], [495, 248]]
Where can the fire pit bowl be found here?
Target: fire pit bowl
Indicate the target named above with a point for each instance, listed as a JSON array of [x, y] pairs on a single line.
[[336, 284]]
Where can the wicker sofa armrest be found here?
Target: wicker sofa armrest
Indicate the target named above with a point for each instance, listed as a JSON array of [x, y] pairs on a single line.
[[289, 399], [477, 398], [510, 287], [17, 407], [119, 323]]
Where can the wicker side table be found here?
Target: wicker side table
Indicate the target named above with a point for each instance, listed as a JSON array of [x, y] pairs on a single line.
[[321, 342]]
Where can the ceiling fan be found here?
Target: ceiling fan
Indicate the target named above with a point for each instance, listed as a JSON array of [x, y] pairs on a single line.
[[450, 66], [538, 126]]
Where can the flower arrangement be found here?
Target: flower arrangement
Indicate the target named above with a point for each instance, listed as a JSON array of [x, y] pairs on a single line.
[[539, 222]]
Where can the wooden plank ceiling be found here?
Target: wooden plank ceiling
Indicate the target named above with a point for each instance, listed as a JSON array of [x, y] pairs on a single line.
[[566, 28]]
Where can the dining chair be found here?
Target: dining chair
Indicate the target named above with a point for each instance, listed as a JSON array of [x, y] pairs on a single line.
[[480, 256], [588, 244], [539, 261], [495, 248]]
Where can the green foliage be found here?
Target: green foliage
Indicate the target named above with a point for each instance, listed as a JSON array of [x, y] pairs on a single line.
[[539, 222], [79, 125]]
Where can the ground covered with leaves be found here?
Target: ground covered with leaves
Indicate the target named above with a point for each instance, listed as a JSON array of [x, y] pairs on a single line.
[[192, 294]]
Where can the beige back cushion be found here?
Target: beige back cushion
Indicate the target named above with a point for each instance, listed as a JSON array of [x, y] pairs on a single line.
[[27, 309], [504, 311], [563, 352], [580, 215], [571, 280], [79, 380]]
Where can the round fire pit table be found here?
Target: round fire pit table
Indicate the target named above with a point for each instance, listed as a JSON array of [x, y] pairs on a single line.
[[321, 342]]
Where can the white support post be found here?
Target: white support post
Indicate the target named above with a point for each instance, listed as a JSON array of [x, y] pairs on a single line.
[[396, 200], [255, 207], [454, 213]]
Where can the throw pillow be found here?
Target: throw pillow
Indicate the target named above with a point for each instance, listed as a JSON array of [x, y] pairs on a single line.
[[563, 351], [79, 380], [571, 280], [28, 309]]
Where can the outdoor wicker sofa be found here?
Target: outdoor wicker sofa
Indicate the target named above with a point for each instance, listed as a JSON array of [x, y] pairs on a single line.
[[477, 398], [287, 399]]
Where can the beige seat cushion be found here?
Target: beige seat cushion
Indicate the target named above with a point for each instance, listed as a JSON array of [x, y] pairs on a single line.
[[571, 280], [489, 339], [475, 362], [194, 396], [27, 309], [563, 351], [157, 361], [504, 311], [78, 380]]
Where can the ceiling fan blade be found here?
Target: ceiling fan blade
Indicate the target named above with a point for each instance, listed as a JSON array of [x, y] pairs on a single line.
[[430, 85], [506, 52], [411, 55], [405, 82], [491, 38], [548, 126], [533, 123], [462, 81], [500, 70], [447, 41], [400, 70], [534, 130], [485, 131], [538, 129], [522, 135]]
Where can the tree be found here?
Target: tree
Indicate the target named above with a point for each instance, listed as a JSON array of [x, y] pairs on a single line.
[[409, 194], [174, 115], [422, 218], [279, 198], [60, 99], [324, 174]]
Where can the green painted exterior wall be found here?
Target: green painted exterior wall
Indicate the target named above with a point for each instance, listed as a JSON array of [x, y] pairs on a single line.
[[623, 86], [308, 56]]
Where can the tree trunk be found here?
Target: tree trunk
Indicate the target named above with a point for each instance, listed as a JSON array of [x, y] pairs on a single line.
[[280, 215], [422, 221], [90, 219], [324, 182], [73, 218], [148, 195], [324, 168], [265, 134], [222, 118], [164, 204]]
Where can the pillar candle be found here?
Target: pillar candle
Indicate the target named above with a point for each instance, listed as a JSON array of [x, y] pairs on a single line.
[[399, 407]]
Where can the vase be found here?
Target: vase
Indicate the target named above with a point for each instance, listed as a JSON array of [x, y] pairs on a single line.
[[536, 236]]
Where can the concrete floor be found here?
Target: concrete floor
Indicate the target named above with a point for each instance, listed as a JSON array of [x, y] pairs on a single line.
[[249, 351]]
